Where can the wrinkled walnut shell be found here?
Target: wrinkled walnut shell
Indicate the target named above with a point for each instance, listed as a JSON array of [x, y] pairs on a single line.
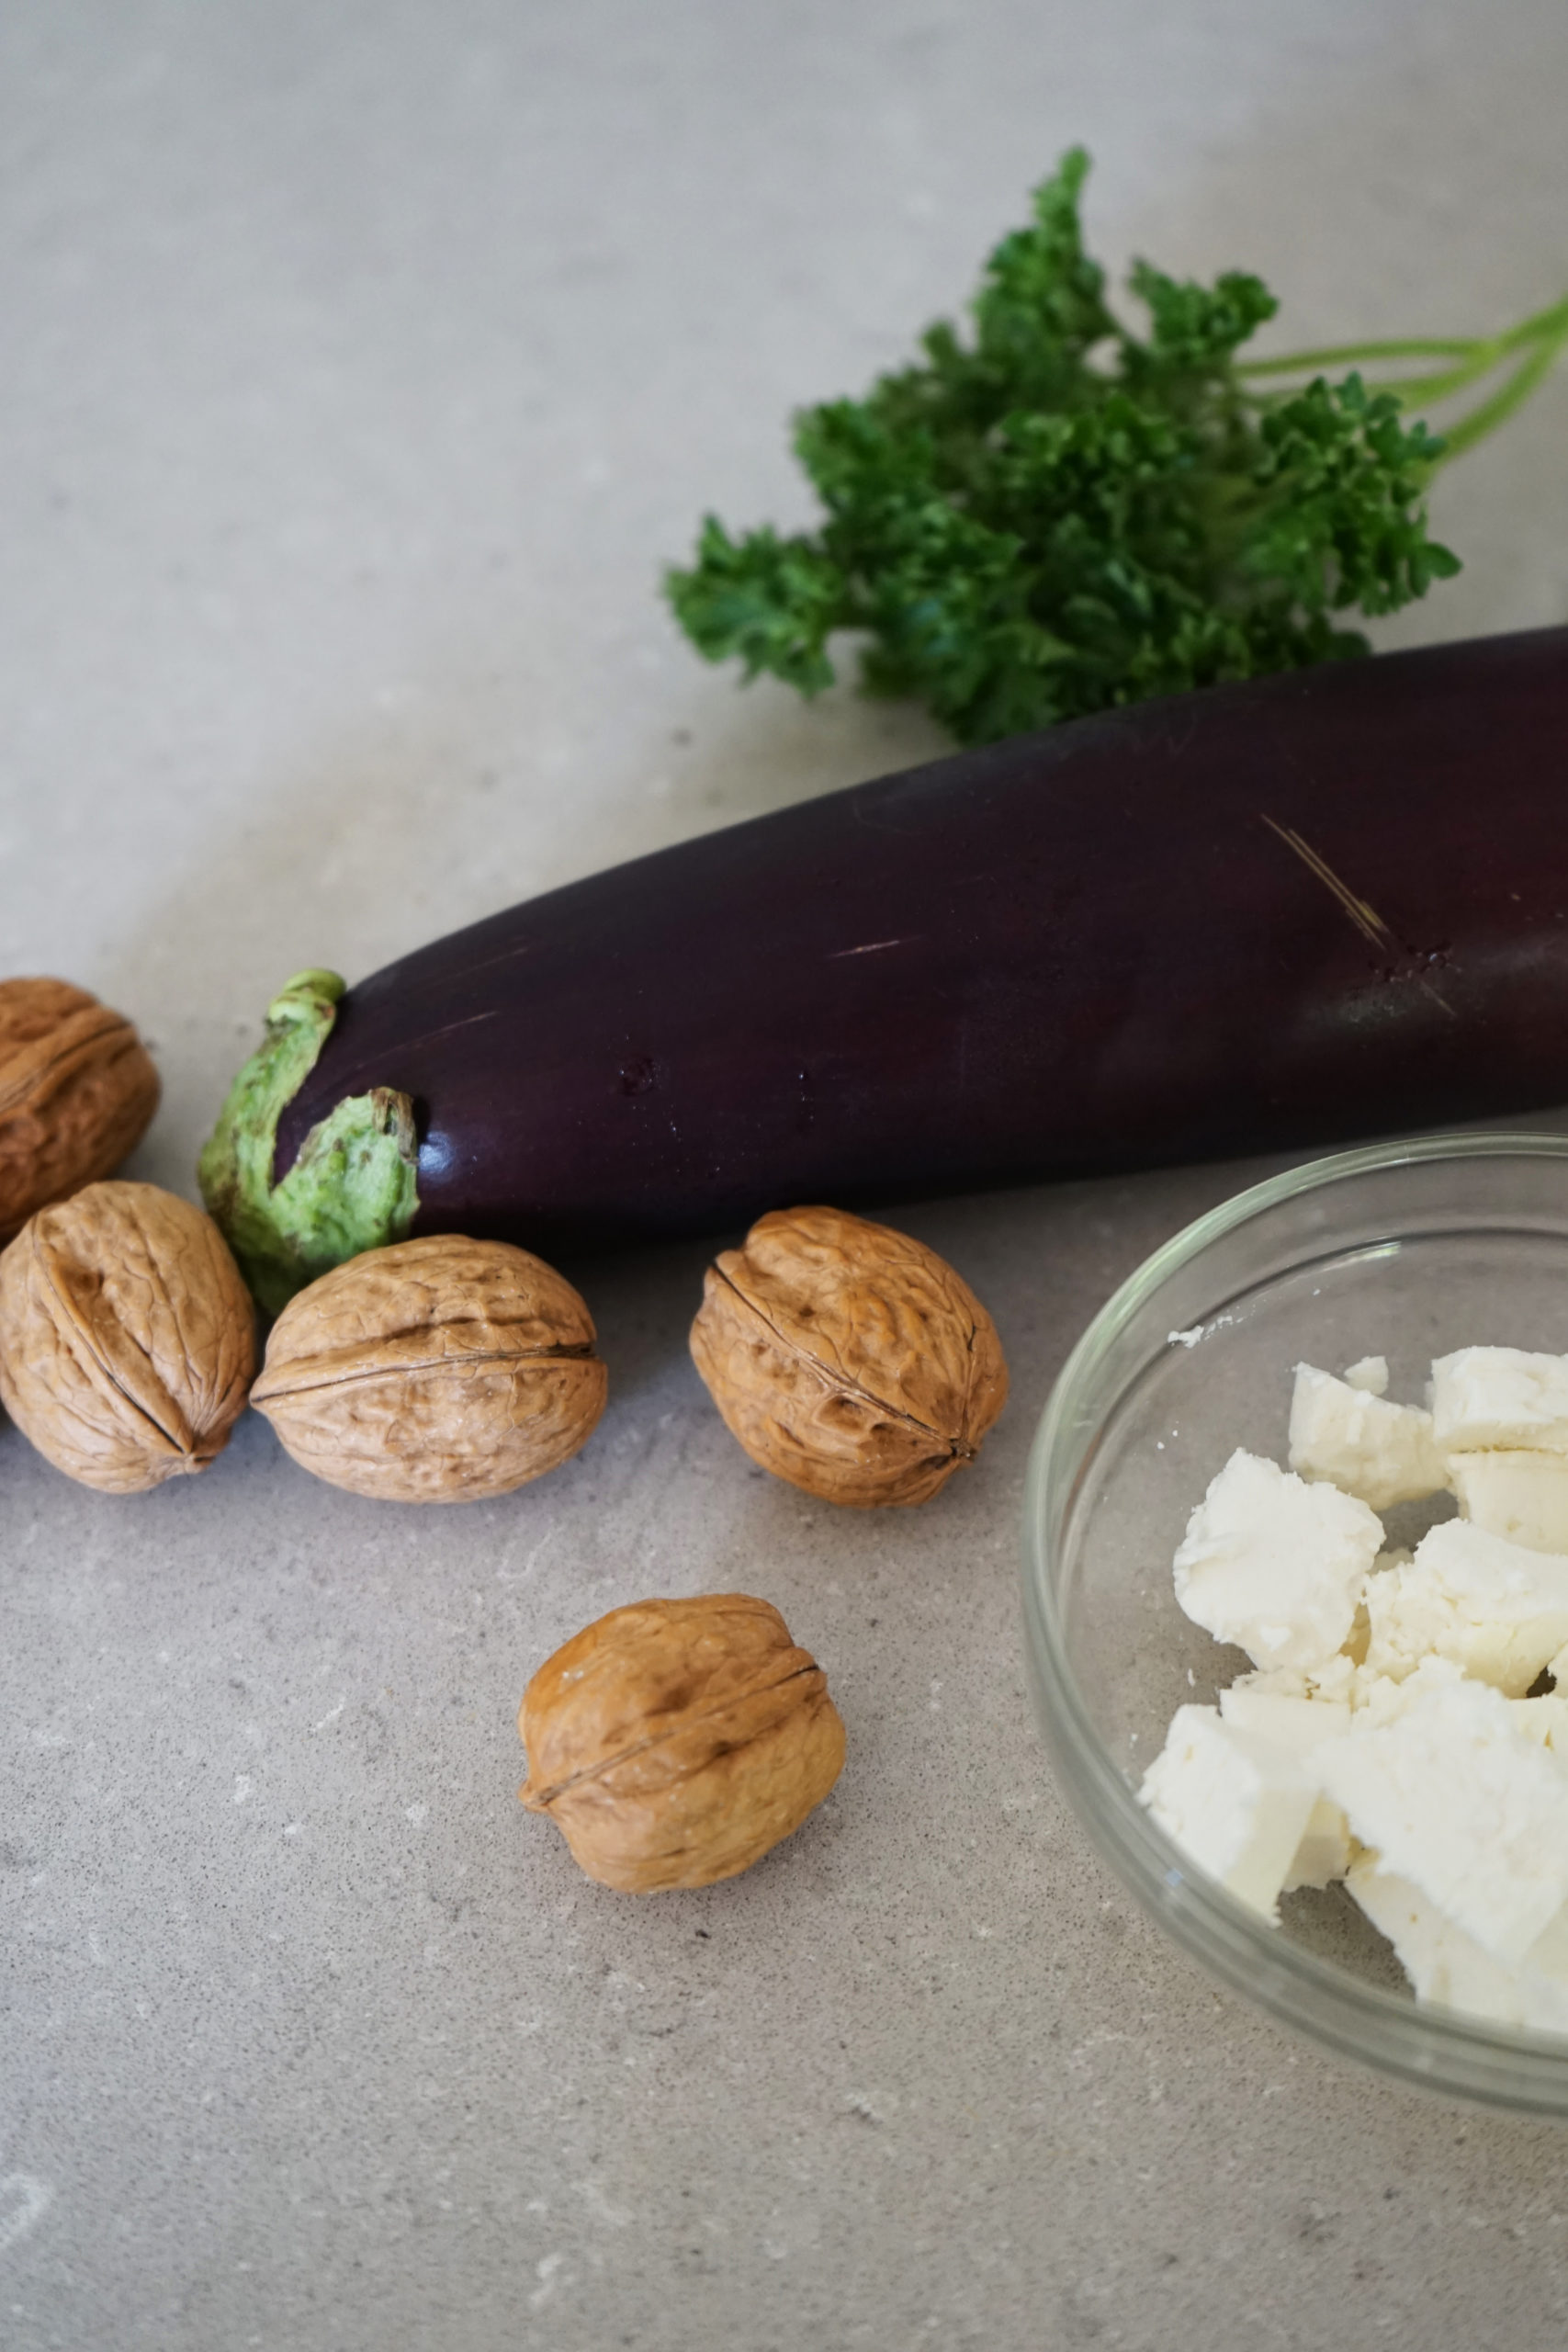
[[674, 1741], [77, 1089], [127, 1337], [433, 1371], [847, 1358]]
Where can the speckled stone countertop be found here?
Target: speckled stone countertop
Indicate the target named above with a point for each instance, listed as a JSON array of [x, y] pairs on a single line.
[[362, 366]]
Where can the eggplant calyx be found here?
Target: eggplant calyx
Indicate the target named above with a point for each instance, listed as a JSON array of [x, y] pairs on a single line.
[[353, 1182]]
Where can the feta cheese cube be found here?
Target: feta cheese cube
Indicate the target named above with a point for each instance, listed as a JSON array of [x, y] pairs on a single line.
[[1384, 1737], [1333, 1678], [1237, 1806], [1444, 1965], [1495, 1609], [1276, 1565], [1378, 1698], [1544, 1720], [1325, 1850], [1521, 1495], [1459, 1802], [1296, 1726], [1371, 1697], [1485, 1398], [1359, 1442]]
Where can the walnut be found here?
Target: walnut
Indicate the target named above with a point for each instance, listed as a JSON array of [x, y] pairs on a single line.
[[435, 1370], [674, 1741], [77, 1090], [127, 1337], [847, 1358]]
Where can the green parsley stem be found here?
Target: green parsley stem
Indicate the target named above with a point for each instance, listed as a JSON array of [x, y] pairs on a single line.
[[1352, 354], [1542, 336], [1492, 413], [1479, 352]]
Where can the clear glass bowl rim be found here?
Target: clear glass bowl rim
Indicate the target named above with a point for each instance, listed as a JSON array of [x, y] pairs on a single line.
[[1434, 2048]]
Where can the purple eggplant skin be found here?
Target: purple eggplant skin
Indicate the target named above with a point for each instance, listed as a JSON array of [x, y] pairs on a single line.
[[1276, 914]]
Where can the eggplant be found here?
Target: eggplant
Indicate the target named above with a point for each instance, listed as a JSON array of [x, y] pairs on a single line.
[[1278, 913]]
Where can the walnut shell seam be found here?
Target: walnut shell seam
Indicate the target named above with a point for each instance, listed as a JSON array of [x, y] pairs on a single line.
[[540, 1800], [125, 1336], [841, 1383], [441, 1369], [77, 1089], [298, 1382]]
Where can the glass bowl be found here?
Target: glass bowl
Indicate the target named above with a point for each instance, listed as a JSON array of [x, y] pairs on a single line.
[[1405, 1251]]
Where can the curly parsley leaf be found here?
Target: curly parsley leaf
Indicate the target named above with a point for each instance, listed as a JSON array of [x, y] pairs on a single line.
[[1051, 515]]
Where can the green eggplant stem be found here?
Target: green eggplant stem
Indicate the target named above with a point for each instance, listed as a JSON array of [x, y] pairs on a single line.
[[354, 1185]]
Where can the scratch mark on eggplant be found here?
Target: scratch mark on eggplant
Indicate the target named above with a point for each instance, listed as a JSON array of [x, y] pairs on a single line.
[[872, 947], [429, 1037], [1366, 920], [512, 953], [1437, 998]]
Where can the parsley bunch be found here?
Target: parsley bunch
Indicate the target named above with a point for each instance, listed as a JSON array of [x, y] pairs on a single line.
[[1054, 515]]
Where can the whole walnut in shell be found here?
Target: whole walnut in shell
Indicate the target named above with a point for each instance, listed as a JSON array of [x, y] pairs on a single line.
[[77, 1090], [127, 1337], [433, 1371], [847, 1358], [674, 1741]]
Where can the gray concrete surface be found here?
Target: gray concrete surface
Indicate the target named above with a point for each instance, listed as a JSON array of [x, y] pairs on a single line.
[[361, 365]]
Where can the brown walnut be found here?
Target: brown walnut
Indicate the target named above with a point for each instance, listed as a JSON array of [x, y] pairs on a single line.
[[674, 1741], [127, 1337], [433, 1371], [847, 1358], [77, 1089]]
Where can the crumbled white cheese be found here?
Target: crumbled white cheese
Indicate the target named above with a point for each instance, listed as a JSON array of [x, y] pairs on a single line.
[[1521, 1495], [1377, 1698], [1486, 1399], [1381, 1451], [1371, 1697], [1332, 1679], [1237, 1806], [1494, 1607], [1324, 1851], [1276, 1565], [1297, 1726], [1444, 1965], [1286, 1720], [1384, 1737], [1456, 1799], [1544, 1719]]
